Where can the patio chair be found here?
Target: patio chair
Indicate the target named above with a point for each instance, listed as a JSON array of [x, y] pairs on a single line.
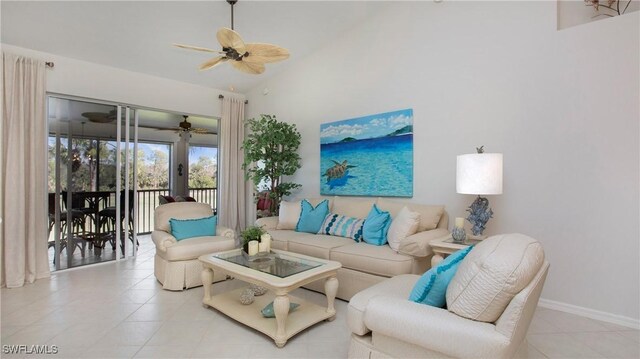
[[108, 222], [77, 223]]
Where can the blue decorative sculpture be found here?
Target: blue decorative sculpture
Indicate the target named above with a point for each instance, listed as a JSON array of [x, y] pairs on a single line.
[[458, 234], [479, 214]]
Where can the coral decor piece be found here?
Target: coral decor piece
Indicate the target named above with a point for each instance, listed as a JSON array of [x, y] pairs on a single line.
[[258, 290], [479, 214], [247, 296]]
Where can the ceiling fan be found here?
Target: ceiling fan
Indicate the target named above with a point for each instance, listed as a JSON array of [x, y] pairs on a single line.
[[100, 117], [186, 127], [249, 58]]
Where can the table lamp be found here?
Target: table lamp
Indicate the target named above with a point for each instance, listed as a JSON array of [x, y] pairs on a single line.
[[480, 174]]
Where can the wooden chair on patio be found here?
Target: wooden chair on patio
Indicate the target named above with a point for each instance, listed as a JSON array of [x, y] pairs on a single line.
[[77, 227], [107, 219]]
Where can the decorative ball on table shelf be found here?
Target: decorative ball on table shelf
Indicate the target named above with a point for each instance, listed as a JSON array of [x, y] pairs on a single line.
[[247, 297], [257, 289], [458, 234]]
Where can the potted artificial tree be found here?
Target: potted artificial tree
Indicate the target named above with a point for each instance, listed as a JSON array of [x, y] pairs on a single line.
[[270, 152]]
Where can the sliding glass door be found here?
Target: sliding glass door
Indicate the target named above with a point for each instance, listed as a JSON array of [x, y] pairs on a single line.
[[109, 165], [92, 182]]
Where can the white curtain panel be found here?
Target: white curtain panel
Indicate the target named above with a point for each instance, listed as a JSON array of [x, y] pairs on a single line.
[[23, 164], [232, 210]]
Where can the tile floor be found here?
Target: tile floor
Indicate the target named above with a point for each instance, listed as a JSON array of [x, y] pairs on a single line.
[[118, 310]]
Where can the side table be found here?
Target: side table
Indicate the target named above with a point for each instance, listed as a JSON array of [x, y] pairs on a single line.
[[444, 246]]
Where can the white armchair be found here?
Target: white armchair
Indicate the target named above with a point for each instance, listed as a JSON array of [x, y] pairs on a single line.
[[384, 323], [176, 263]]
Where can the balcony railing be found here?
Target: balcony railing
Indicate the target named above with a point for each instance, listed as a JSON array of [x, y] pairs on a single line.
[[148, 200]]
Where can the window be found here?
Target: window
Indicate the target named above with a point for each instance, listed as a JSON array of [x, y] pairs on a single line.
[[203, 174]]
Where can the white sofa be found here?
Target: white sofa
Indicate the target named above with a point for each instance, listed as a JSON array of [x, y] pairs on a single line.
[[176, 263], [487, 316], [364, 265]]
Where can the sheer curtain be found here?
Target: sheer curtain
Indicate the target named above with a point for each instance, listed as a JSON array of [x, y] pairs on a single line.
[[232, 184], [23, 164]]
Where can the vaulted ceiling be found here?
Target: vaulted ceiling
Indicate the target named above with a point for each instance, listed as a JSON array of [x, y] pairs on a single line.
[[137, 35]]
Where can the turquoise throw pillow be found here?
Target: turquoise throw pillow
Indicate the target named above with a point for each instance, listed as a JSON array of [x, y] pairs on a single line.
[[342, 226], [189, 228], [268, 311], [311, 218], [376, 226], [431, 288]]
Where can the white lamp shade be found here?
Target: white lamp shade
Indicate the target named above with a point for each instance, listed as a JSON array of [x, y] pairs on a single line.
[[479, 173]]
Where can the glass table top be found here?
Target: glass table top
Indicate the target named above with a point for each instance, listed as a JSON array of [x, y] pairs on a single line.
[[277, 264], [466, 242]]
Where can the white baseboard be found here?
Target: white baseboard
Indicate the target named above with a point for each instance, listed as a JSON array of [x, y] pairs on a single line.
[[590, 313]]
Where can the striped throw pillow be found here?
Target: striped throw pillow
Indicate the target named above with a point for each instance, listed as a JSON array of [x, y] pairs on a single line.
[[342, 226]]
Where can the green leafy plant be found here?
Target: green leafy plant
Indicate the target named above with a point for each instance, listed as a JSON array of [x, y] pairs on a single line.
[[251, 233], [270, 152]]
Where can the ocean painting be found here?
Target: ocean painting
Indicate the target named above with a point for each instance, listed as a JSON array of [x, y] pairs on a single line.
[[368, 156]]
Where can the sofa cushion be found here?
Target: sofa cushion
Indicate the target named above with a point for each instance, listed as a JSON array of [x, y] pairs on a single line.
[[179, 210], [288, 215], [280, 237], [316, 201], [357, 208], [193, 248], [375, 227], [402, 226], [399, 287], [183, 229], [492, 274], [429, 215], [311, 217], [378, 260], [343, 226], [318, 245], [431, 288]]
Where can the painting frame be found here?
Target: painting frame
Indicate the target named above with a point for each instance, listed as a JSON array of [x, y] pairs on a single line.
[[368, 156]]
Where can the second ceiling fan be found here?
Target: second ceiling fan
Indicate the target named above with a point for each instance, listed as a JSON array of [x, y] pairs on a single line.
[[184, 127], [249, 58]]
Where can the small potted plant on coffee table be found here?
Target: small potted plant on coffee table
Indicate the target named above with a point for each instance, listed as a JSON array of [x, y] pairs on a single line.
[[252, 233]]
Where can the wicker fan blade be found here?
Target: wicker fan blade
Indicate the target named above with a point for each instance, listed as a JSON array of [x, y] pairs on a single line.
[[229, 38], [202, 131], [98, 117], [197, 48], [212, 63], [265, 53], [254, 69]]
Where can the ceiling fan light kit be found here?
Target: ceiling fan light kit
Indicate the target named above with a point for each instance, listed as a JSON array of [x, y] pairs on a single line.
[[249, 58]]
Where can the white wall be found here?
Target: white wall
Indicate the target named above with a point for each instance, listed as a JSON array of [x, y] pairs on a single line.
[[94, 81], [563, 107]]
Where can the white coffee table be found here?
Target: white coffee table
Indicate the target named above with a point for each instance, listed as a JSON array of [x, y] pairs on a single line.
[[281, 275]]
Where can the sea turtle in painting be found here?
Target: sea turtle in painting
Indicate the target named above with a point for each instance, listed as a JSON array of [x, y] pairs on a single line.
[[339, 170]]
